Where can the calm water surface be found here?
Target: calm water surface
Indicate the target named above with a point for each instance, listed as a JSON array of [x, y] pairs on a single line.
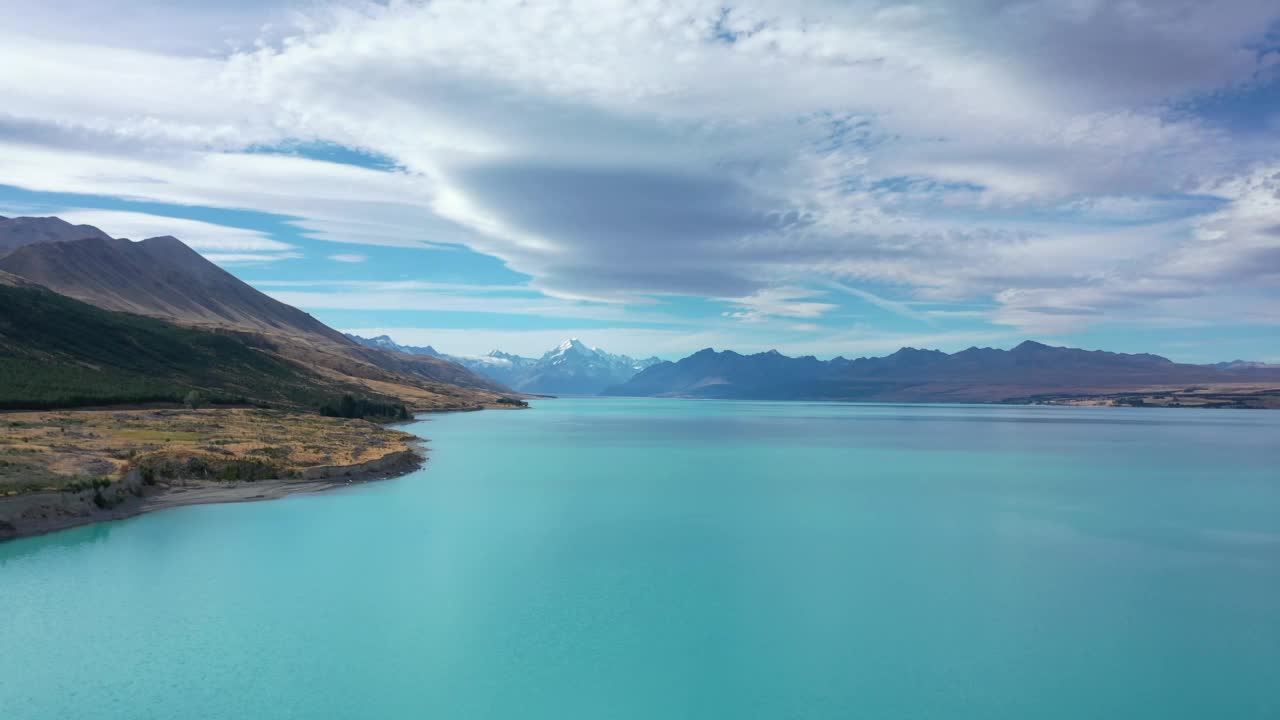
[[654, 559]]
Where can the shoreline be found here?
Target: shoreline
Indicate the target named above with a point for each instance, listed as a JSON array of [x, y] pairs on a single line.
[[41, 513]]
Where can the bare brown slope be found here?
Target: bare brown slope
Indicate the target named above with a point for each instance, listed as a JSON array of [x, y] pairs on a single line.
[[22, 231], [161, 277]]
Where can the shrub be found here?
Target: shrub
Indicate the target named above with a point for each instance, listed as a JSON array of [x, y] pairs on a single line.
[[208, 468], [349, 406]]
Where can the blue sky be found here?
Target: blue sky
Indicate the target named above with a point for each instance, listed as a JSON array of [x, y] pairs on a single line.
[[820, 177]]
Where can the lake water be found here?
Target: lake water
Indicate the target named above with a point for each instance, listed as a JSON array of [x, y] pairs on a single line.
[[663, 559]]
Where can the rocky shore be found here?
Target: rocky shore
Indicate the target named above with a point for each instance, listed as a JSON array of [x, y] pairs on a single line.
[[37, 513]]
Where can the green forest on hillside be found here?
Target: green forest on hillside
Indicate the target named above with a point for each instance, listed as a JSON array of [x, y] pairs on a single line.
[[59, 352]]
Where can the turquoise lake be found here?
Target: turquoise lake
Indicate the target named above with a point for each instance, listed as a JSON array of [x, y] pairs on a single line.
[[665, 559]]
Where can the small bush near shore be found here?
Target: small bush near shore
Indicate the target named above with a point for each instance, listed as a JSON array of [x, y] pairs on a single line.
[[106, 501], [91, 483], [352, 407], [200, 467]]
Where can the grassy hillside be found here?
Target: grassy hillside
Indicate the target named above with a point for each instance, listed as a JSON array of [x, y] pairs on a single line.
[[165, 279], [59, 352]]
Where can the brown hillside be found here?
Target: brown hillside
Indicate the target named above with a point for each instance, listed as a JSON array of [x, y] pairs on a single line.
[[161, 277]]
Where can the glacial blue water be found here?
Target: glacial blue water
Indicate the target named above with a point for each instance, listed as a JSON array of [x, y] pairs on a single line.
[[664, 559]]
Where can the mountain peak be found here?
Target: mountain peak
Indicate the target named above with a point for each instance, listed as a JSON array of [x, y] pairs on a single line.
[[171, 245], [21, 231], [914, 355], [161, 277], [572, 367], [164, 241], [574, 347]]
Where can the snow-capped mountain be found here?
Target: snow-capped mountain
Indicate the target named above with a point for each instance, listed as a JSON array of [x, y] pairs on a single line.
[[505, 368], [572, 368], [386, 343]]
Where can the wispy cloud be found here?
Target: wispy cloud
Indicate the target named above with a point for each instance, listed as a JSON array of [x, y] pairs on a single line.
[[199, 235], [349, 258], [1051, 161], [388, 297], [248, 258], [787, 302], [898, 308], [221, 244], [394, 286]]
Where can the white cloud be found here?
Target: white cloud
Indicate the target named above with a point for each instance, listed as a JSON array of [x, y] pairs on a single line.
[[392, 297], [339, 202], [202, 236], [349, 258], [1010, 153], [789, 302], [248, 258], [219, 244], [883, 303], [395, 286]]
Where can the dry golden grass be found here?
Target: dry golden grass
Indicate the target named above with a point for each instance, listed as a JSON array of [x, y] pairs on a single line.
[[41, 450]]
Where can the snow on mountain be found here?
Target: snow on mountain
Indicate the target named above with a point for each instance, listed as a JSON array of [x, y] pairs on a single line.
[[386, 343], [571, 368]]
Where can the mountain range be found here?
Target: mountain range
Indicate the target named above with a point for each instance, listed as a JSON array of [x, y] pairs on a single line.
[[87, 318], [163, 279], [571, 368], [1029, 372]]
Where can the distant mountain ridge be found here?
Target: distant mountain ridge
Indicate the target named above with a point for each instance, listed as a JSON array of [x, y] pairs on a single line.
[[1027, 371], [572, 368], [164, 279], [1243, 365], [385, 342]]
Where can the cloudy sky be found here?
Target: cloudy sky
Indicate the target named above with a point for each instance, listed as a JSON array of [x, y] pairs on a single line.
[[657, 176]]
